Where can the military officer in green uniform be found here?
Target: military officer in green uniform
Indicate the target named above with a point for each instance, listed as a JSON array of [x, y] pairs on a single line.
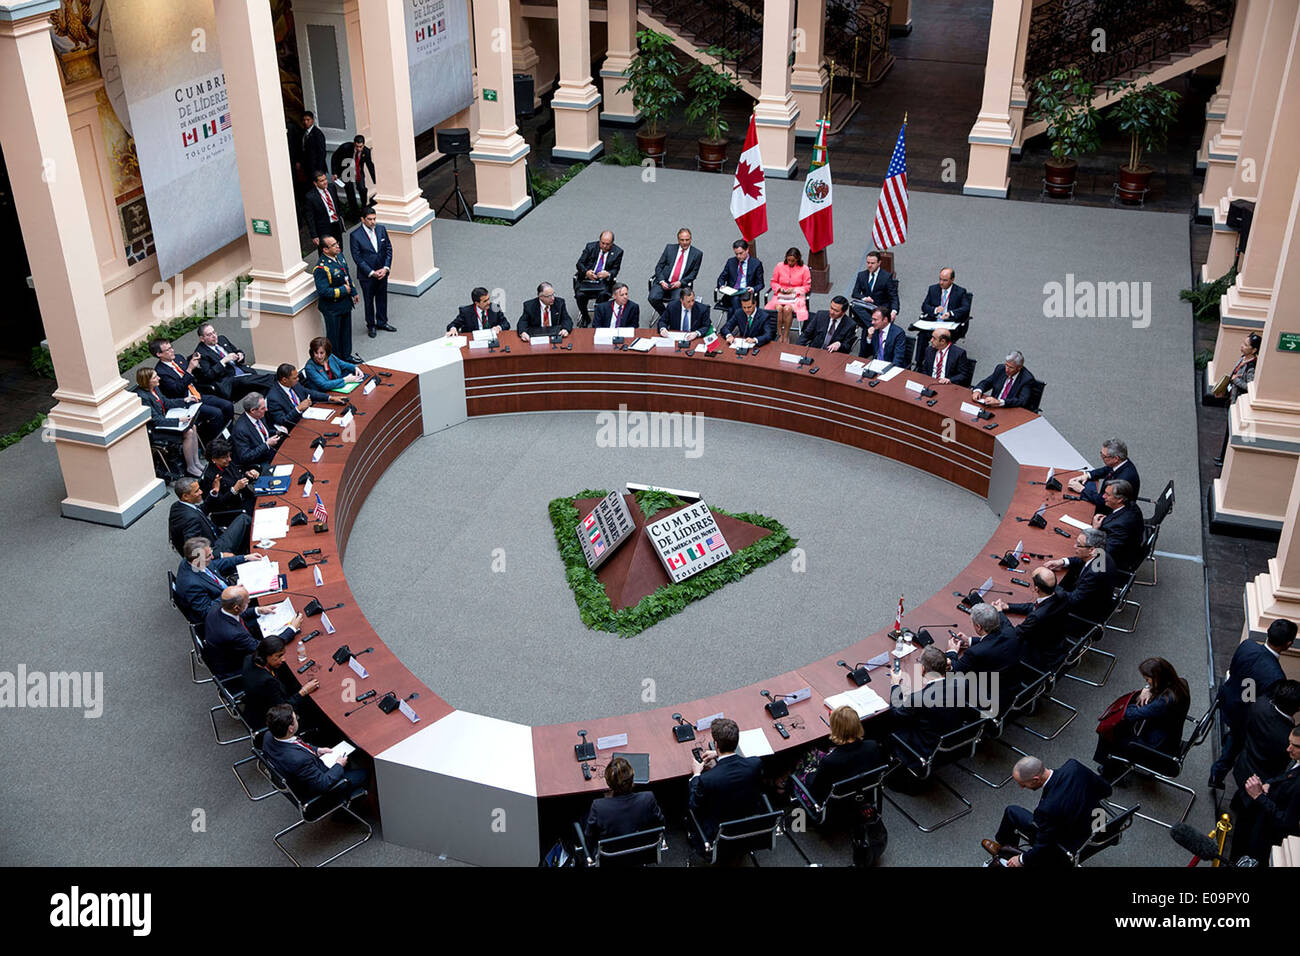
[[335, 296]]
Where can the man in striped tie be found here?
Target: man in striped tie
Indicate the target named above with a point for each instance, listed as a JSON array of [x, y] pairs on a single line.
[[300, 763], [596, 271], [1009, 385], [176, 380]]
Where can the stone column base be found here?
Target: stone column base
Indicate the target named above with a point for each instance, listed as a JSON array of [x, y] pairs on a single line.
[[1267, 600], [808, 87], [1220, 166], [410, 229], [1250, 496], [986, 174], [103, 449], [281, 313], [619, 109], [500, 180], [775, 125], [577, 124]]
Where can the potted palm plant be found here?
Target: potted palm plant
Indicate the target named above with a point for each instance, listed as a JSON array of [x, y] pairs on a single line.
[[1145, 111], [651, 78], [1063, 100], [710, 85]]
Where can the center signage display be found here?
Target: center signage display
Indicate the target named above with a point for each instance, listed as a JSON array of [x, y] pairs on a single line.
[[688, 541], [601, 532]]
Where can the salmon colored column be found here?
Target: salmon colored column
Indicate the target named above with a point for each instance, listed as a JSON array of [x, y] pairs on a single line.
[[1217, 108], [809, 76], [576, 101], [97, 427], [992, 136], [619, 53], [1276, 593], [499, 152], [776, 112]]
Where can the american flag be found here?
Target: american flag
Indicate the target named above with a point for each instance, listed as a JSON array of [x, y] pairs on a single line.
[[319, 512], [225, 120], [890, 227]]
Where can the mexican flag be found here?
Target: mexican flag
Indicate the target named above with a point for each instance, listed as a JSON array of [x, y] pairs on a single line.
[[711, 342], [815, 205], [749, 189]]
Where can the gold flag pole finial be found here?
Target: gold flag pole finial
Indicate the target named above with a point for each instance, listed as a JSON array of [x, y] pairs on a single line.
[[904, 117]]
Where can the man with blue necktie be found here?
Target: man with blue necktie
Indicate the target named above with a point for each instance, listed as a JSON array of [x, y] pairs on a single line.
[[885, 341], [741, 272], [685, 315]]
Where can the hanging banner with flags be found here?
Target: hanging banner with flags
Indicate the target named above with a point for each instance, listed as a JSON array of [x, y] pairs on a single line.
[[815, 205], [890, 227], [749, 189]]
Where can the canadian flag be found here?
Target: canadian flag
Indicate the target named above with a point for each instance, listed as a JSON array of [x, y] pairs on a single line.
[[749, 189], [815, 205]]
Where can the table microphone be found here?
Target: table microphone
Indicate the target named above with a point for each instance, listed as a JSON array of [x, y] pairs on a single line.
[[1037, 520], [923, 633], [377, 373], [776, 708], [313, 606], [1204, 848], [682, 730], [299, 519], [297, 562], [344, 654], [858, 674]]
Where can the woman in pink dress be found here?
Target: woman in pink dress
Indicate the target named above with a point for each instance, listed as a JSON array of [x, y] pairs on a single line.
[[791, 282]]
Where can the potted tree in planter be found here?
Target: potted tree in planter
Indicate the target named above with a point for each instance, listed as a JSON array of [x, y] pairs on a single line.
[[651, 78], [1145, 111], [1063, 99], [710, 84]]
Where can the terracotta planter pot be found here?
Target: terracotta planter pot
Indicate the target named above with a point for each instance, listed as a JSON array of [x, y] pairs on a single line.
[[711, 155], [654, 147], [1059, 177], [1134, 183]]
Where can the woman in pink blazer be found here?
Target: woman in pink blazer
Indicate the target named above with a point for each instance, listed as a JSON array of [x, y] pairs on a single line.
[[791, 283]]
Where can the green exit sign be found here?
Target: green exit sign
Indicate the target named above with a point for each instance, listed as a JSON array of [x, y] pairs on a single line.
[[1288, 342], [490, 96], [262, 227]]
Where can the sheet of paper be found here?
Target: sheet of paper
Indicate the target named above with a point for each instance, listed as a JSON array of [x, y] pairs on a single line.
[[855, 368], [754, 743], [341, 749], [184, 414], [318, 414], [660, 342], [270, 523], [281, 616], [260, 577], [896, 370], [930, 325], [604, 336], [878, 365], [726, 290], [1075, 523], [282, 471], [670, 334], [484, 335], [452, 341]]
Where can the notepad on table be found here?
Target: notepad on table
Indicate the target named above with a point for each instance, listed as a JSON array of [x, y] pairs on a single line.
[[754, 743], [1075, 523], [863, 700], [345, 389], [319, 414]]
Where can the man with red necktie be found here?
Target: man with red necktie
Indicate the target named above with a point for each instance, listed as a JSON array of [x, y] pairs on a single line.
[[480, 315], [943, 361], [324, 214], [176, 380], [253, 443], [1008, 386], [678, 266], [300, 763], [619, 312], [545, 315]]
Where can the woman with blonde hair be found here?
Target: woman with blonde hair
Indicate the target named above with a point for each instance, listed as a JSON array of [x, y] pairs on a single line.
[[850, 754]]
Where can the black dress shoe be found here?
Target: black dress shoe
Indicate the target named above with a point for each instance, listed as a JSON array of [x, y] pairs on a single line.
[[386, 327], [1218, 462], [371, 332]]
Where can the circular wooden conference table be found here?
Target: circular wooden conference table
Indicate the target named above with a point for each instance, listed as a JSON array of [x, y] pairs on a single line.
[[441, 780]]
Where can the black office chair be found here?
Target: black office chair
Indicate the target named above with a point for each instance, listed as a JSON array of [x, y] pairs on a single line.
[[745, 835], [1164, 767], [1053, 678], [1084, 635], [1030, 686], [949, 748], [337, 798], [1123, 601], [1035, 400], [1118, 819], [197, 657], [230, 694], [1163, 509], [171, 590], [850, 793], [632, 849], [259, 764], [963, 327]]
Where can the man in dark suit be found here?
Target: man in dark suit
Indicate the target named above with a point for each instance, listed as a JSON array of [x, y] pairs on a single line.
[[595, 273], [624, 811], [286, 402], [350, 163], [176, 380], [335, 297], [748, 324], [945, 301], [742, 271], [1124, 525], [921, 718], [685, 315], [729, 790], [1253, 672], [1271, 811], [372, 253], [620, 312], [1043, 636], [1114, 464], [230, 632], [1090, 577], [324, 215], [187, 520], [884, 340], [226, 489], [677, 268], [201, 577], [480, 315], [313, 147], [221, 370], [1008, 385], [1267, 725], [994, 650], [1065, 815], [252, 444], [545, 315], [942, 360], [874, 288], [300, 764], [831, 329]]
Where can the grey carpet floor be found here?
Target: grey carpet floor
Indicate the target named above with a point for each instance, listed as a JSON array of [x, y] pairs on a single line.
[[144, 783]]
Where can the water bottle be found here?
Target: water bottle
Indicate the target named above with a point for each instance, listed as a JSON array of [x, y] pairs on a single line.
[[899, 648], [302, 652]]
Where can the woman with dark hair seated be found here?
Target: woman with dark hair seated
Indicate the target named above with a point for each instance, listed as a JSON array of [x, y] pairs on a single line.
[[324, 370], [1239, 379], [267, 683], [623, 811], [850, 755], [146, 380], [1153, 717]]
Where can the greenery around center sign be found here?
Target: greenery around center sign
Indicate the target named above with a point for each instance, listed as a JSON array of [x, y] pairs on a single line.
[[593, 603]]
